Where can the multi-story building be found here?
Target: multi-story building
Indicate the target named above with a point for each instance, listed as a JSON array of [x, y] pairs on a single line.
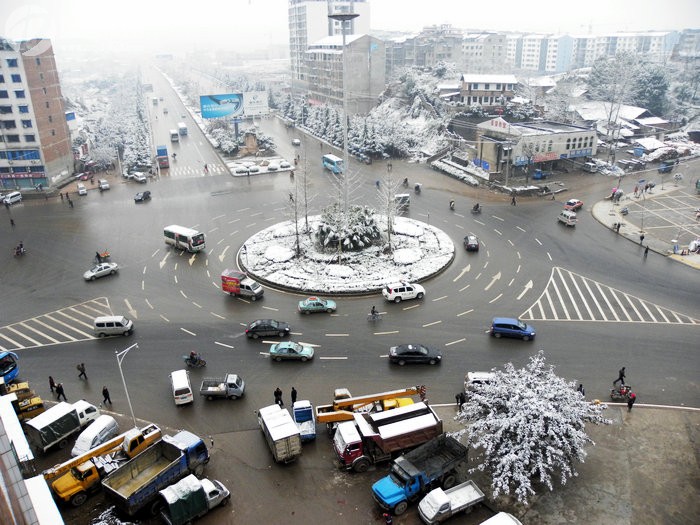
[[484, 53], [365, 78], [309, 22], [487, 90], [655, 45], [35, 143], [537, 143]]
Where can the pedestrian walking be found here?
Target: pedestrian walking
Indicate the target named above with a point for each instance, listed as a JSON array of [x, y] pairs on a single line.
[[206, 169], [581, 390], [389, 167], [294, 395], [70, 202], [12, 223], [461, 398], [646, 251], [630, 401], [98, 257], [60, 392], [620, 377], [81, 369], [52, 384], [61, 195], [512, 201], [105, 396], [641, 238], [278, 397]]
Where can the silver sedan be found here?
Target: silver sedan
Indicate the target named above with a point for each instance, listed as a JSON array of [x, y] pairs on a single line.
[[100, 270]]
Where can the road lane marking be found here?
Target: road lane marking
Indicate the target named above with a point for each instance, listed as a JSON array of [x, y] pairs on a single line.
[[526, 288], [493, 280], [14, 343], [164, 318], [464, 288], [183, 294], [328, 358], [455, 342], [387, 333], [431, 324], [270, 308], [149, 304], [464, 270], [411, 307], [175, 277], [188, 332], [521, 229], [223, 344], [217, 315], [24, 336], [498, 218], [439, 298], [337, 335], [164, 259], [466, 312], [496, 298], [197, 305]]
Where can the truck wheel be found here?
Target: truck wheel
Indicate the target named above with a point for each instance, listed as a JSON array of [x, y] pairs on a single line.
[[78, 499], [449, 481], [401, 508], [199, 470], [62, 444], [361, 465]]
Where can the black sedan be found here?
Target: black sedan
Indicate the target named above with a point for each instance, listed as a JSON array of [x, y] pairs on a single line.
[[414, 353], [142, 196], [471, 243], [266, 327]]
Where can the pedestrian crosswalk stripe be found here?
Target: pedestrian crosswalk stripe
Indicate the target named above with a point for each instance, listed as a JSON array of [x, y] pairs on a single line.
[[569, 296], [70, 324]]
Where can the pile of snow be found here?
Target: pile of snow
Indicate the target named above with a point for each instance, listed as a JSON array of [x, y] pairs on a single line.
[[419, 251]]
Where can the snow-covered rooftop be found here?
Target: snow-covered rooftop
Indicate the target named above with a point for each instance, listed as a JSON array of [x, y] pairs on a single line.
[[483, 78]]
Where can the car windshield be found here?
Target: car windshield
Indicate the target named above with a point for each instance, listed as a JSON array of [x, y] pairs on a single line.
[[521, 325]]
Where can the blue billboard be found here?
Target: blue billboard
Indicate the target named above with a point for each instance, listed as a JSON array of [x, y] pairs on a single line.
[[216, 106]]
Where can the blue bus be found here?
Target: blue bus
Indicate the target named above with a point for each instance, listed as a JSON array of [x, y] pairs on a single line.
[[9, 366], [333, 163]]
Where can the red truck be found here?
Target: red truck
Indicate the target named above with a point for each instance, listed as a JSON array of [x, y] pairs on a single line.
[[372, 438], [238, 283]]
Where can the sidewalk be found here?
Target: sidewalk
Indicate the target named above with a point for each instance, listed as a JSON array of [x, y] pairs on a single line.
[[658, 208], [643, 469]]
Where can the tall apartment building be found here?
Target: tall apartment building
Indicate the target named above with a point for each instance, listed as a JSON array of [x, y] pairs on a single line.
[[309, 22], [365, 80], [35, 143], [484, 53]]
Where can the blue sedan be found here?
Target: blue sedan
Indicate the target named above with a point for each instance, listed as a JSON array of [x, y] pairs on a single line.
[[316, 304], [290, 350]]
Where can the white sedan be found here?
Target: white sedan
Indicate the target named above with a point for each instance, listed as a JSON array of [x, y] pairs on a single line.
[[100, 270]]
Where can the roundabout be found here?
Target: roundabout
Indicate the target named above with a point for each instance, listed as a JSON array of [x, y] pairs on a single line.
[[419, 251]]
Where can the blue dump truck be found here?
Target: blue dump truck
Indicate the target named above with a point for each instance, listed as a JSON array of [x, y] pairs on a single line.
[[134, 486], [162, 157], [422, 469]]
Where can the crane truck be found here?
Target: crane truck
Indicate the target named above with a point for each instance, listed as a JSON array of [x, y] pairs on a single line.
[[344, 405], [72, 481]]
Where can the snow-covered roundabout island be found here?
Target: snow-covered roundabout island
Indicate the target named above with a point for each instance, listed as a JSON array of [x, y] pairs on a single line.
[[419, 251]]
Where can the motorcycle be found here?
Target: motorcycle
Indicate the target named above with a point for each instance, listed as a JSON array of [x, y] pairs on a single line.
[[195, 361], [620, 393], [452, 205], [416, 188], [19, 251], [405, 183], [476, 209], [625, 210]]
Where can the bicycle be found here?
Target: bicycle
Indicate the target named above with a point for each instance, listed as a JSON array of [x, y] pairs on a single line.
[[374, 317]]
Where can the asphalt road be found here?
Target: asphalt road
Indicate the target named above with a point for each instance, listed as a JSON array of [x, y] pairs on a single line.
[[529, 265]]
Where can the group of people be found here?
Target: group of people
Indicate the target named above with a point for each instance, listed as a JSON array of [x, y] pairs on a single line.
[[60, 392], [631, 396], [278, 396]]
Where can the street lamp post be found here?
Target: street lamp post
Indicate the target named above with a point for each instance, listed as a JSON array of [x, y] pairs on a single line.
[[120, 357]]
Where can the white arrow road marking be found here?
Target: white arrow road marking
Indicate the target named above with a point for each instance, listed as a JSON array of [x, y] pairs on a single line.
[[493, 280], [131, 311], [223, 254], [162, 261], [464, 270], [528, 286], [192, 259]]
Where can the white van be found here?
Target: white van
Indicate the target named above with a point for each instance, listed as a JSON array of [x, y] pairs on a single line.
[[102, 430], [82, 190], [103, 184], [568, 217], [174, 136], [182, 390], [12, 198], [112, 325]]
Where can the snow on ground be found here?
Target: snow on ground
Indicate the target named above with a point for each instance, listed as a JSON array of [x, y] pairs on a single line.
[[420, 250]]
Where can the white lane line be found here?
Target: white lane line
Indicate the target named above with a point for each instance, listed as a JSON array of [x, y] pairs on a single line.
[[496, 298], [464, 288], [28, 327], [66, 325], [333, 358], [511, 282], [498, 218], [411, 307], [550, 256], [188, 332], [164, 318], [183, 294], [224, 345], [521, 229], [217, 315], [466, 312], [431, 324], [48, 327], [164, 259], [23, 336], [144, 270], [387, 333], [455, 342], [197, 305], [15, 343], [440, 298], [270, 308], [175, 277], [143, 285], [337, 335], [149, 304], [155, 253]]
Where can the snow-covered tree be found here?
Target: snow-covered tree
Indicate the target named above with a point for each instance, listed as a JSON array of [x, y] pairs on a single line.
[[530, 425], [650, 89], [355, 231]]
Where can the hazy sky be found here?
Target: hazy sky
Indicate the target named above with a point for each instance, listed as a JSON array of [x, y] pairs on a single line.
[[158, 25]]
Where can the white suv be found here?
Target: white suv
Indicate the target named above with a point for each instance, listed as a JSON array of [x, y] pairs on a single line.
[[397, 292]]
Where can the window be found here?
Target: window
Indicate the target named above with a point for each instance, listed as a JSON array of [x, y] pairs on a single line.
[[41, 76], [568, 143], [26, 124], [47, 104], [29, 138], [549, 146], [38, 61], [3, 94], [44, 89], [9, 124], [12, 138], [11, 62], [487, 86], [5, 110], [2, 78], [16, 78], [19, 93], [23, 109], [53, 132]]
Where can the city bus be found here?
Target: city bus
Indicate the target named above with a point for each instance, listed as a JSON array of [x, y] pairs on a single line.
[[9, 366], [184, 238], [333, 163]]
